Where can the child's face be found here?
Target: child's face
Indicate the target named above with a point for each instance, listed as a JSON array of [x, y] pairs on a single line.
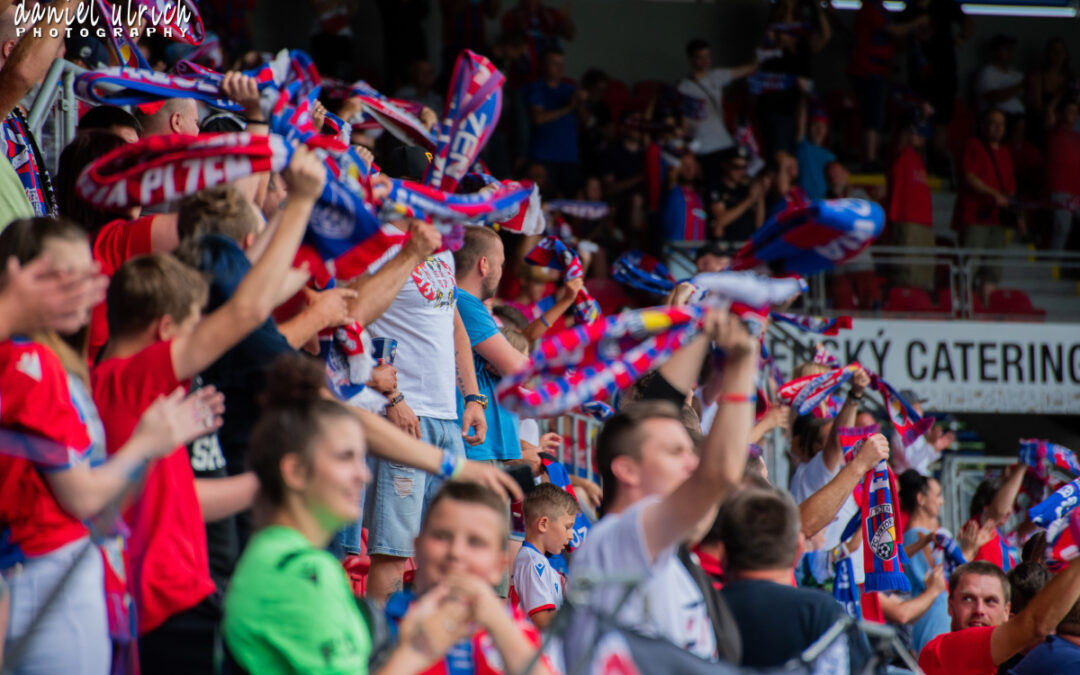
[[461, 538], [559, 533]]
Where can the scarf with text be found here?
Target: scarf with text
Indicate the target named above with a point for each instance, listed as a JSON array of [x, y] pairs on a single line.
[[1043, 456], [1063, 542], [597, 360], [1058, 505], [808, 392], [473, 107], [807, 238], [845, 590], [821, 325], [139, 86], [554, 254]]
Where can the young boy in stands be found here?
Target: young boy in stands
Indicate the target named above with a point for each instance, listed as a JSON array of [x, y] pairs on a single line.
[[158, 341], [461, 554], [536, 588]]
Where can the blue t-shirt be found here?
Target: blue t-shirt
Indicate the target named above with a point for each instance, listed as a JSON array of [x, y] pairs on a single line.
[[936, 619], [1054, 656], [556, 141], [501, 441], [812, 162]]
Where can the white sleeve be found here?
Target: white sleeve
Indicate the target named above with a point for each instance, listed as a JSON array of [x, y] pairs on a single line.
[[529, 430], [721, 76], [811, 479], [921, 454], [534, 582], [616, 545]]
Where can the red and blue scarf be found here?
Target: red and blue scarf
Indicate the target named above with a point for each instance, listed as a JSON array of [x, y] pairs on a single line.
[[1063, 539], [25, 157], [1058, 505], [138, 86], [473, 107], [579, 209], [908, 423], [882, 535], [552, 253], [807, 238], [808, 392], [953, 556], [597, 360], [845, 590], [643, 272], [821, 325], [1043, 456]]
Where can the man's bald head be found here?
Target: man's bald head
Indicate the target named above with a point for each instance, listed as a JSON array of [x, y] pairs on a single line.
[[175, 116]]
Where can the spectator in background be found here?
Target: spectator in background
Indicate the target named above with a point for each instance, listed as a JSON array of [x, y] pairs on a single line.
[[543, 27], [999, 86], [762, 542], [703, 106], [554, 106], [932, 64], [992, 505], [871, 66], [332, 38], [713, 256], [798, 30], [924, 450], [171, 116], [420, 85], [983, 636], [811, 153], [1048, 86], [1063, 172], [114, 119], [463, 27], [910, 207], [683, 214], [596, 123], [404, 37], [736, 205], [987, 191]]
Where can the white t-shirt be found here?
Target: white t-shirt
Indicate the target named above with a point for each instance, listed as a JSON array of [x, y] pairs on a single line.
[[990, 78], [667, 603], [705, 111], [529, 430], [535, 585], [809, 477], [919, 455], [421, 319]]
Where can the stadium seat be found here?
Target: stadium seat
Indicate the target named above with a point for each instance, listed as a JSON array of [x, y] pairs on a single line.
[[843, 295], [608, 294], [1013, 302], [909, 299]]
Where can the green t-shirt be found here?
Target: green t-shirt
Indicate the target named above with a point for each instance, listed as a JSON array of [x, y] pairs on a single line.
[[289, 609], [13, 201]]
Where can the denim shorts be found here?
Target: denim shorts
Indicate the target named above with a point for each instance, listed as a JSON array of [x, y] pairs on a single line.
[[399, 494]]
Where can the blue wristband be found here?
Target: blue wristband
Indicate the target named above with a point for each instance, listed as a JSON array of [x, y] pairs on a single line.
[[449, 464]]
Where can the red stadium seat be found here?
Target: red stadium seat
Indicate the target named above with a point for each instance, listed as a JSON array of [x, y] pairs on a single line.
[[608, 294], [1013, 302], [843, 295], [909, 299]]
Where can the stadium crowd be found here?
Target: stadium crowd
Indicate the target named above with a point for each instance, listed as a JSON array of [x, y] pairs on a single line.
[[183, 489]]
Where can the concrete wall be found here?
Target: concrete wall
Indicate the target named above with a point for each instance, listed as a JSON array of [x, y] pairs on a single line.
[[643, 39]]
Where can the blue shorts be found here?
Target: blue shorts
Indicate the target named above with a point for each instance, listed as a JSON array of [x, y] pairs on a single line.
[[399, 494]]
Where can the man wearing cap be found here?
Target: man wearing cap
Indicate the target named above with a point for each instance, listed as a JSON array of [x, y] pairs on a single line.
[[998, 85], [736, 205], [925, 450]]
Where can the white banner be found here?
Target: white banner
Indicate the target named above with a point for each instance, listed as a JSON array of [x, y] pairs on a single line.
[[962, 366]]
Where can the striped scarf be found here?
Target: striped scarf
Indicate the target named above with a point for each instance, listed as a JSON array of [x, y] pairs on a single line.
[[1063, 541], [881, 532], [554, 254], [597, 360], [821, 325], [579, 209], [908, 423], [1058, 505], [643, 272], [808, 392], [1042, 456]]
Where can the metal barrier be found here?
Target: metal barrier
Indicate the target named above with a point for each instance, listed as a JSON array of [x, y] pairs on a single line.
[[59, 82], [960, 476], [579, 441]]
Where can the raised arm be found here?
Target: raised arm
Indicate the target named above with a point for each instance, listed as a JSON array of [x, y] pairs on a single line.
[[1001, 507], [724, 450], [31, 58], [375, 293], [833, 454], [257, 294], [1040, 618], [563, 299], [745, 70], [820, 508], [908, 611]]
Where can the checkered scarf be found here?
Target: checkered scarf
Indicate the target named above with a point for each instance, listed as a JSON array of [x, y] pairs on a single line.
[[552, 253]]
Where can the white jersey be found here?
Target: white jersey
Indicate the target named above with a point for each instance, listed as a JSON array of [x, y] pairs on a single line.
[[535, 585], [667, 602]]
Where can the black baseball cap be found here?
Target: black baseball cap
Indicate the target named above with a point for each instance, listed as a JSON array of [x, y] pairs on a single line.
[[406, 161]]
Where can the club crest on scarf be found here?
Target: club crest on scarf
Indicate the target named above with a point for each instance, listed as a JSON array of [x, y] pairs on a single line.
[[881, 532]]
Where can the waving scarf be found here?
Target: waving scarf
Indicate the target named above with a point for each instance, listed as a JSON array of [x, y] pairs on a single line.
[[812, 238], [643, 272], [1063, 539], [421, 201], [1042, 455], [117, 26], [473, 106], [580, 209], [908, 423], [808, 392], [401, 124], [824, 358], [881, 532], [1057, 505], [953, 556], [822, 325], [598, 410], [136, 86], [599, 359], [554, 254]]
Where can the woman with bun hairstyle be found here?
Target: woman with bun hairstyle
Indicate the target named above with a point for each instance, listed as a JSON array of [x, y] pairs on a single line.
[[289, 607]]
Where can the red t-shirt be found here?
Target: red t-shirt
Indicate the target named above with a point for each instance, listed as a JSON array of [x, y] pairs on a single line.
[[974, 208], [964, 652], [873, 49], [995, 551], [909, 193], [35, 400], [117, 242], [1063, 161], [166, 557]]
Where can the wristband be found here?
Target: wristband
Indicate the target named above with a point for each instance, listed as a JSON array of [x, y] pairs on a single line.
[[544, 321], [459, 468], [857, 397], [449, 464], [737, 398], [394, 401]]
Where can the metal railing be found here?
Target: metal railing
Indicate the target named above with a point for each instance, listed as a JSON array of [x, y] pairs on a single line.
[[960, 476], [58, 83], [579, 441]]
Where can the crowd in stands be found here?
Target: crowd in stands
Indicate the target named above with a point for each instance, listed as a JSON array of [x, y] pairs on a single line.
[[183, 489]]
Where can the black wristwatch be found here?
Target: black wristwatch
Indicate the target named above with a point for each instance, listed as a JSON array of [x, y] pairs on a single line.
[[477, 398]]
